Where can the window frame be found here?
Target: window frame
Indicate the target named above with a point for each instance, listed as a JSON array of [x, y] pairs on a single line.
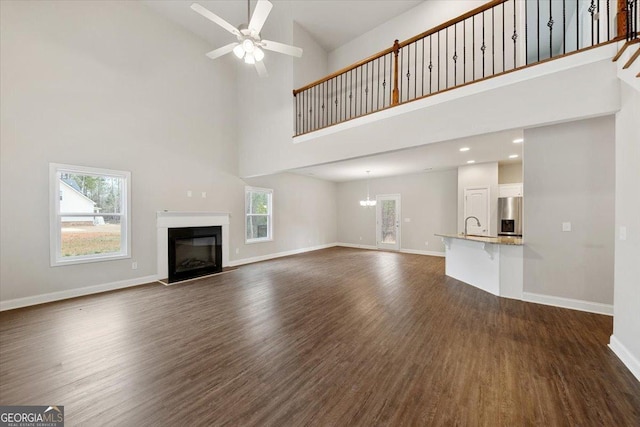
[[269, 215], [55, 217]]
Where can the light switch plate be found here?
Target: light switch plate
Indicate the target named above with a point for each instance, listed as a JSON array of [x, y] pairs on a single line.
[[623, 233], [407, 220], [566, 226]]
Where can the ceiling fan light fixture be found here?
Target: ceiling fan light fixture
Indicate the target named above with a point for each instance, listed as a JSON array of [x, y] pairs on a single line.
[[249, 59], [238, 51], [248, 45], [258, 54]]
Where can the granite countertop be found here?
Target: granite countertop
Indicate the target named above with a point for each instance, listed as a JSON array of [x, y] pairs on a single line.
[[500, 240]]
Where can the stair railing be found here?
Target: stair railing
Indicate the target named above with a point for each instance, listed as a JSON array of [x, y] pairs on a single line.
[[498, 37]]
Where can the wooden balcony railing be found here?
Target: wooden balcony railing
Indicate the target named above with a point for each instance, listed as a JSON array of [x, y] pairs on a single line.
[[498, 37]]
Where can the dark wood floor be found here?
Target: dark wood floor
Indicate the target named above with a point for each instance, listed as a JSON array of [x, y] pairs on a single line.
[[334, 337]]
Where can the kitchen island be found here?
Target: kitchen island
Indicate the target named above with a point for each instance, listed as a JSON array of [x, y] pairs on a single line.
[[493, 264]]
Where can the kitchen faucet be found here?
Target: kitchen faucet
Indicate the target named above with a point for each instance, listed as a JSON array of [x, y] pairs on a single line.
[[466, 221]]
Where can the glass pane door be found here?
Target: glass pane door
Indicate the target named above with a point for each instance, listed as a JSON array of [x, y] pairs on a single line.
[[388, 221]]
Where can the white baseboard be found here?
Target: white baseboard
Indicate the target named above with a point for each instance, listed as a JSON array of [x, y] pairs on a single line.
[[404, 251], [243, 261], [417, 252], [625, 356], [575, 304], [351, 245], [73, 293]]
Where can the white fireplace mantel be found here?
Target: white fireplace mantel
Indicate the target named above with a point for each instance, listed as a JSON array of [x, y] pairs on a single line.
[[176, 219]]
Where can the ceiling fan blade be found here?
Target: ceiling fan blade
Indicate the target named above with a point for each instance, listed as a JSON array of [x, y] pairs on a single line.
[[282, 48], [215, 18], [260, 14], [261, 69], [222, 50]]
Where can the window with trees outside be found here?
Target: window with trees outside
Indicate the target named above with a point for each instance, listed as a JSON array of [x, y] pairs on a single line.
[[89, 214], [258, 210]]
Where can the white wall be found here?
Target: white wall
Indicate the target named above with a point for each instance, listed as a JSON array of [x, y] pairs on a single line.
[[481, 175], [314, 62], [428, 199], [265, 125], [305, 214], [510, 173], [115, 85], [626, 321], [569, 177], [415, 21]]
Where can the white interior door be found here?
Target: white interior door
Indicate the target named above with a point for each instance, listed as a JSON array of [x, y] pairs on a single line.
[[388, 221], [476, 203]]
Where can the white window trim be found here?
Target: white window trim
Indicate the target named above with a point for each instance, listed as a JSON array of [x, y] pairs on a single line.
[[269, 238], [55, 246]]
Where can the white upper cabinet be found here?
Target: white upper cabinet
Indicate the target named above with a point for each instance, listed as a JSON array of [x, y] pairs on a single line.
[[510, 190]]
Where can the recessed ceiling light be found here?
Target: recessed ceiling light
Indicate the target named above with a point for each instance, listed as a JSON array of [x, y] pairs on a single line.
[[518, 141], [513, 156], [470, 161], [465, 149]]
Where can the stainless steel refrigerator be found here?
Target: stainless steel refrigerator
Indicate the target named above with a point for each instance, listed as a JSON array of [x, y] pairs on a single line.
[[510, 216]]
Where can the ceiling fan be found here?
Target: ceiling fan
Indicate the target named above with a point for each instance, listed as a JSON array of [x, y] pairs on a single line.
[[250, 45]]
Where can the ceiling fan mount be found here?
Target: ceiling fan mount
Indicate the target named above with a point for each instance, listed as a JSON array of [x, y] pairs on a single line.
[[250, 45]]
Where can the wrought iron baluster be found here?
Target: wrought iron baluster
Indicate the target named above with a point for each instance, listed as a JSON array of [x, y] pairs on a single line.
[[422, 69], [550, 25], [446, 58], [538, 28], [350, 93], [564, 27], [400, 73], [430, 64], [591, 10], [464, 51], [514, 37], [377, 88], [473, 45], [366, 89], [504, 32], [408, 71], [384, 78], [598, 22], [484, 46], [493, 41], [455, 54], [391, 78], [577, 25], [438, 59], [415, 69], [608, 21]]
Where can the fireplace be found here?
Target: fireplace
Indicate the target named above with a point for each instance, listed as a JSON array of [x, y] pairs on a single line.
[[194, 252]]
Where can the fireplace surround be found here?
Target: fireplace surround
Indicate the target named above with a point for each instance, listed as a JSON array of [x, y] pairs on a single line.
[[166, 220], [194, 252]]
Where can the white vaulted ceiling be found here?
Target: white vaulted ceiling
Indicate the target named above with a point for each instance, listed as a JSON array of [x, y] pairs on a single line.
[[331, 22]]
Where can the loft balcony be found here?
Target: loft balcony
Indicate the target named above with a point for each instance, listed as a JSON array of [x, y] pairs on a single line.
[[496, 39]]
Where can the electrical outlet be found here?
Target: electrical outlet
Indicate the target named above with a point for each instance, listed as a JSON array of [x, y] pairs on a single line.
[[566, 226], [360, 237], [189, 193], [426, 243], [237, 251], [407, 220], [204, 194], [134, 265], [623, 233]]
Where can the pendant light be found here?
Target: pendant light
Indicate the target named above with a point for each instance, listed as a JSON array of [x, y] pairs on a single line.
[[368, 202]]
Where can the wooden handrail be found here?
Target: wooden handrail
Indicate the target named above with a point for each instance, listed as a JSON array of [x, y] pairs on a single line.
[[396, 46], [344, 70], [453, 21]]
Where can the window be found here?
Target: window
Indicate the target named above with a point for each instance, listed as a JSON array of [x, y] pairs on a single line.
[[258, 209], [89, 214]]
